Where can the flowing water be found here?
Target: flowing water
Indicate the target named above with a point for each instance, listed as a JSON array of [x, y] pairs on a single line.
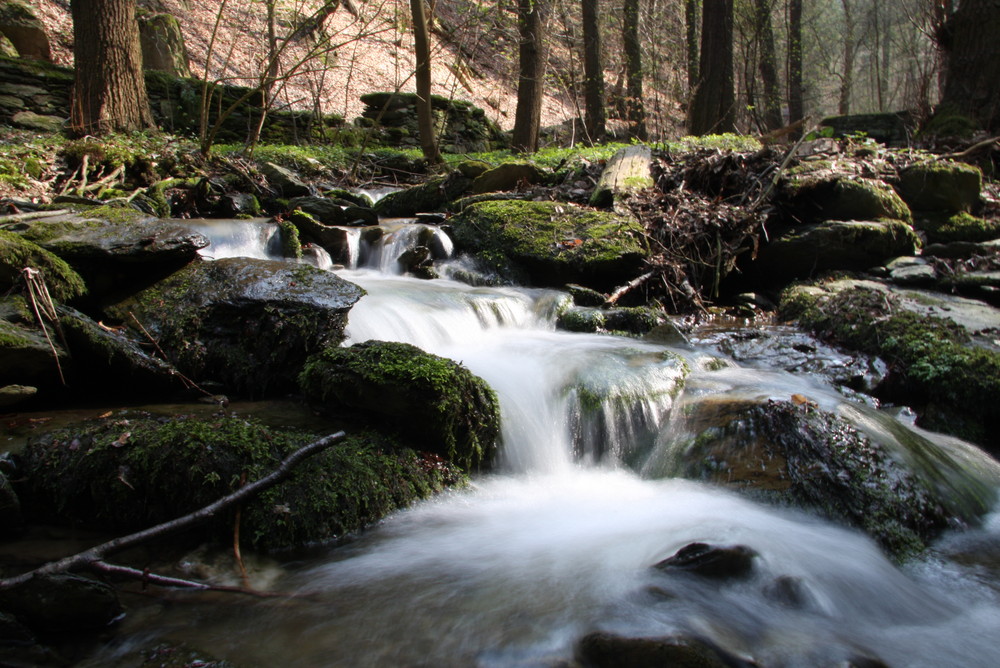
[[559, 541]]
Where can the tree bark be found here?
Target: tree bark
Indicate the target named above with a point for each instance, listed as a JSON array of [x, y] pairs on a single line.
[[109, 92], [972, 79], [425, 115], [767, 65], [532, 16], [796, 106], [593, 71], [635, 113], [713, 109], [847, 76], [691, 42]]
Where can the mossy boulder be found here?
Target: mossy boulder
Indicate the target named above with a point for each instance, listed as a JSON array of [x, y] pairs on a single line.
[[115, 249], [809, 250], [127, 473], [934, 362], [897, 486], [958, 227], [434, 195], [28, 358], [508, 176], [249, 324], [941, 186], [20, 24], [552, 243], [434, 403], [16, 253], [812, 199]]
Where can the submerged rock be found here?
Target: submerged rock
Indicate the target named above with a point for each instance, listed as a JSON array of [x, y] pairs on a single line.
[[551, 243], [127, 473], [711, 561], [607, 650], [434, 403], [249, 324], [62, 604]]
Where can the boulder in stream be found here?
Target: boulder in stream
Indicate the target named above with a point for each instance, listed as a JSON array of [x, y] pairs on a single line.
[[434, 403], [249, 324], [607, 650], [132, 470]]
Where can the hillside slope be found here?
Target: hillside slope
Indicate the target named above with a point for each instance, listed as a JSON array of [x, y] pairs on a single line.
[[474, 51]]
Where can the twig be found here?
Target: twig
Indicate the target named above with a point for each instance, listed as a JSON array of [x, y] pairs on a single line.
[[145, 577], [95, 555], [31, 215], [961, 155], [38, 294], [628, 287]]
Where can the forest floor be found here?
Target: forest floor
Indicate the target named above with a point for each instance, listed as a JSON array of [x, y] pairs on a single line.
[[474, 56]]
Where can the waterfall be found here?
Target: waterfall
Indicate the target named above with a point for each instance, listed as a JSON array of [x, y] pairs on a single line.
[[560, 540]]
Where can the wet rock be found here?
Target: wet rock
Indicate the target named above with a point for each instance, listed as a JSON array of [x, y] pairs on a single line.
[[324, 210], [911, 271], [11, 519], [584, 296], [132, 471], [633, 320], [12, 395], [362, 200], [115, 249], [606, 650], [165, 655], [435, 403], [249, 324], [238, 204], [581, 319], [788, 591], [53, 604], [412, 259], [711, 561], [28, 358], [109, 364], [550, 243], [896, 485]]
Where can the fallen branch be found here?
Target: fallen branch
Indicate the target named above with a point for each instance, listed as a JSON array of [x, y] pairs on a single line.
[[972, 150], [628, 287], [31, 215], [94, 557]]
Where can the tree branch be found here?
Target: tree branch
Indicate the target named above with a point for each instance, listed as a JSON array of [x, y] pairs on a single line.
[[94, 557]]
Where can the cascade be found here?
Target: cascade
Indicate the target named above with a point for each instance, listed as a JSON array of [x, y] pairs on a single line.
[[560, 540]]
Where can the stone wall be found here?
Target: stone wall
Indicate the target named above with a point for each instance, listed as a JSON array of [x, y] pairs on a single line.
[[30, 89]]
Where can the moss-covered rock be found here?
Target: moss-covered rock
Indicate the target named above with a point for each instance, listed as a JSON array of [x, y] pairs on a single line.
[[247, 323], [115, 249], [552, 243], [834, 245], [17, 253], [813, 199], [901, 488], [434, 195], [961, 227], [434, 403], [507, 176], [28, 358], [933, 361], [940, 186], [127, 473]]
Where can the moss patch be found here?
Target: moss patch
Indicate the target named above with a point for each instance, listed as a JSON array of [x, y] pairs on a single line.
[[552, 243], [940, 186], [16, 253], [962, 226], [434, 402], [127, 474]]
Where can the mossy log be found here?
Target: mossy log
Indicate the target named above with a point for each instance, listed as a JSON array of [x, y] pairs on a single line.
[[628, 170]]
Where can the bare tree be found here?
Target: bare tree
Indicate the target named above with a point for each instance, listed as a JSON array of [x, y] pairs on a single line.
[[635, 111], [593, 70], [532, 18], [713, 107], [425, 113], [796, 106]]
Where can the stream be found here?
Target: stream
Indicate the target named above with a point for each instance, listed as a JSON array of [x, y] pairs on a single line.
[[559, 541]]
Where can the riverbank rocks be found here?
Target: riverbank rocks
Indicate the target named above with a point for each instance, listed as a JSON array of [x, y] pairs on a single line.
[[899, 487], [607, 650], [27, 358], [937, 346], [114, 249], [434, 195], [809, 250], [434, 403], [249, 324], [941, 186], [813, 198], [132, 471], [551, 243]]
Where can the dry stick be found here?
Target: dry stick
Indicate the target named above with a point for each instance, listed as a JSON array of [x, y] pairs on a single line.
[[628, 287], [38, 294], [31, 215], [969, 151], [94, 557]]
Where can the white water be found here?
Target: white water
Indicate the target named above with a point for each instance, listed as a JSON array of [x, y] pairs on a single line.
[[512, 571]]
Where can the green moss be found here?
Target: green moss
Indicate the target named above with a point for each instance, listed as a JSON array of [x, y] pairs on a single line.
[[934, 357], [127, 474], [958, 227], [581, 320], [937, 185], [290, 243], [457, 413], [16, 253]]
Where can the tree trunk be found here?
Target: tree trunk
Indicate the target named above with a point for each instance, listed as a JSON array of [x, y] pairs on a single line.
[[593, 71], [847, 76], [109, 92], [713, 109], [691, 42], [532, 16], [768, 65], [635, 113], [972, 79], [425, 115], [796, 107]]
